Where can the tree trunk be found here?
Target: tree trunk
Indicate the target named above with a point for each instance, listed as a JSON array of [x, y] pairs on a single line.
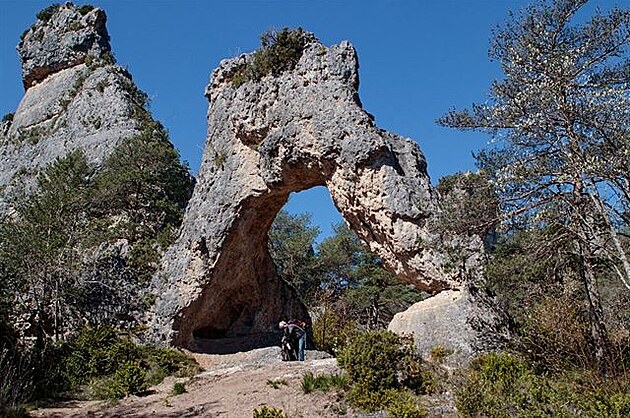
[[599, 333], [621, 254]]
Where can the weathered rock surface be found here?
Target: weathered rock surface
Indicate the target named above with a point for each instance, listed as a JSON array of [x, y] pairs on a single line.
[[63, 37], [68, 104], [459, 321], [266, 139]]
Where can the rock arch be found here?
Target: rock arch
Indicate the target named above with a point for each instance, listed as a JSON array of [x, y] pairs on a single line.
[[266, 139]]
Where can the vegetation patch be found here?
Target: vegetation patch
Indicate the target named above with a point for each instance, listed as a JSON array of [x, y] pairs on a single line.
[[45, 14], [85, 9], [382, 368], [279, 51], [323, 383], [269, 412], [8, 117], [504, 385], [276, 383]]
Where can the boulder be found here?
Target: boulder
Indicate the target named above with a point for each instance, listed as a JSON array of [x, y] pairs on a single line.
[[453, 325]]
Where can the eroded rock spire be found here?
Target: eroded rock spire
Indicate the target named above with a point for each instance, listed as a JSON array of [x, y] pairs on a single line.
[[63, 36]]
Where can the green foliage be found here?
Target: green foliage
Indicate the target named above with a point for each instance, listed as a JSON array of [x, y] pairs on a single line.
[[178, 388], [111, 364], [85, 9], [382, 367], [130, 379], [8, 117], [102, 85], [32, 135], [397, 402], [144, 180], [439, 353], [332, 330], [279, 51], [276, 383], [291, 245], [379, 360], [469, 204], [559, 117], [323, 383], [268, 412], [405, 407], [45, 14], [502, 385]]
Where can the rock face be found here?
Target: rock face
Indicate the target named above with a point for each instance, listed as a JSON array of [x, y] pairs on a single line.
[[266, 139], [75, 98], [462, 322], [63, 37]]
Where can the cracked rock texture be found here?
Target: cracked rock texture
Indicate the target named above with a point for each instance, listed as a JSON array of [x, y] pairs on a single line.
[[71, 101], [266, 139], [62, 40]]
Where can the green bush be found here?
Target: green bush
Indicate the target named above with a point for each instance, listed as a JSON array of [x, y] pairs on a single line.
[[130, 379], [280, 51], [394, 401], [379, 360], [85, 9], [268, 412], [8, 117], [503, 385], [323, 383], [178, 388], [45, 14], [405, 407], [110, 365]]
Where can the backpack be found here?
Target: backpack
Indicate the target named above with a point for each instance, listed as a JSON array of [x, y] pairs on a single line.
[[297, 322]]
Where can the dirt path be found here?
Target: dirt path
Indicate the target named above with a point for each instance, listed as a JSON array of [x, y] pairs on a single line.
[[232, 385]]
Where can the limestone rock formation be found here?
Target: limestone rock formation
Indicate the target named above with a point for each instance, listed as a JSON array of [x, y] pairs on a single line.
[[460, 321], [267, 138], [75, 98], [63, 37]]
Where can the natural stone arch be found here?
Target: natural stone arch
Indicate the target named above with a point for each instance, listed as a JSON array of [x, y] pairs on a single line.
[[269, 138]]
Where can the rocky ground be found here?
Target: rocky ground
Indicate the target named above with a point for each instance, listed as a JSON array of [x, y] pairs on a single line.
[[231, 385]]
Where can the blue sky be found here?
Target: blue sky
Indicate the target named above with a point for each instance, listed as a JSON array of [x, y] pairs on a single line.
[[418, 59]]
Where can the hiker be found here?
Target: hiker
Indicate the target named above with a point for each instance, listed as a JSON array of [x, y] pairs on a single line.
[[294, 334]]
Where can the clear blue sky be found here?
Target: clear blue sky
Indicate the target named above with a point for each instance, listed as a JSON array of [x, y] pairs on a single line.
[[418, 58]]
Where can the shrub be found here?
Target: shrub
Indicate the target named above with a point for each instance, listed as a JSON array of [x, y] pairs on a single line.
[[276, 383], [112, 364], [130, 379], [268, 412], [280, 51], [439, 353], [8, 117], [379, 360], [45, 14], [396, 402], [504, 385], [332, 331], [85, 9], [178, 388], [323, 383], [405, 407]]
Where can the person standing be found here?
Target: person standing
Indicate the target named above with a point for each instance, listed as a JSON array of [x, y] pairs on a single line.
[[295, 333]]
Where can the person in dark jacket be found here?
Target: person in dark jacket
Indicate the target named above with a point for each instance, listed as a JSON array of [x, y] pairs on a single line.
[[296, 335]]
